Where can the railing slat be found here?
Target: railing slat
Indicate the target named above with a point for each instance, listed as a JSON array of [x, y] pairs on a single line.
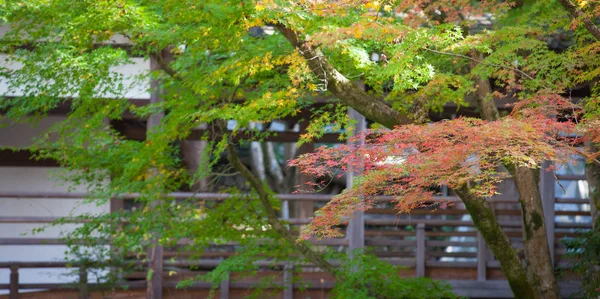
[[205, 196], [481, 258], [224, 288], [14, 282], [420, 250], [83, 283], [288, 281]]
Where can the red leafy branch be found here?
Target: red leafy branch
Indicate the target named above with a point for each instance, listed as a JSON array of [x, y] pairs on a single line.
[[407, 161]]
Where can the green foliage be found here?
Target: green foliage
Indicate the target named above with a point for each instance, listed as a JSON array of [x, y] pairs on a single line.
[[330, 118], [369, 277], [584, 254], [212, 67]]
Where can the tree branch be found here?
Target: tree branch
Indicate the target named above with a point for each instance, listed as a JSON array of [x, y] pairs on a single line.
[[260, 189], [576, 12], [535, 241], [340, 86], [272, 218], [163, 65], [522, 73], [484, 219]]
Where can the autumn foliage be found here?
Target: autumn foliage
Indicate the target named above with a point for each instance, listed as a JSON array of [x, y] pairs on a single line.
[[407, 161]]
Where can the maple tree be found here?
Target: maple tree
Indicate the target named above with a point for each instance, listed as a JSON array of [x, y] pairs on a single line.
[[211, 69], [407, 161]]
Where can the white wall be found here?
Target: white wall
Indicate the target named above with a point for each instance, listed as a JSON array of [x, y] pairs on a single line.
[[33, 179], [41, 179], [117, 39], [135, 88]]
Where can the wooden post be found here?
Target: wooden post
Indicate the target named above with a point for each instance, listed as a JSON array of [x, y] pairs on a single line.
[[288, 268], [154, 285], [547, 185], [14, 282], [356, 226], [116, 205], [83, 283], [481, 258], [193, 157], [305, 209], [224, 288], [420, 250], [288, 281]]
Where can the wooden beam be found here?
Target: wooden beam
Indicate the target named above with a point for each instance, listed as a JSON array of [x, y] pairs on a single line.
[[201, 196], [273, 136], [132, 132], [24, 158], [462, 288], [64, 107]]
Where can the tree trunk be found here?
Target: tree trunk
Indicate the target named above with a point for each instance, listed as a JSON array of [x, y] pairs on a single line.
[[535, 241], [344, 89], [484, 219], [592, 174], [481, 213], [577, 13], [272, 218]]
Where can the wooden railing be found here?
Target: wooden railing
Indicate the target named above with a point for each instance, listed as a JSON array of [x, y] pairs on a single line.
[[419, 241]]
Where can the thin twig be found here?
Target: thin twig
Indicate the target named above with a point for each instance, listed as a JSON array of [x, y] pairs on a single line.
[[223, 174], [586, 155], [522, 73], [558, 183]]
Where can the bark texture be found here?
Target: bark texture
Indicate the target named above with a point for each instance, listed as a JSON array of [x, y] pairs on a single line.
[[483, 91], [340, 86], [272, 217], [271, 214], [540, 270], [577, 13], [535, 241], [481, 213], [495, 238]]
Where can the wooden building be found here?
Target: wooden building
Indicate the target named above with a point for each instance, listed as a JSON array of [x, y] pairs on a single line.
[[441, 244]]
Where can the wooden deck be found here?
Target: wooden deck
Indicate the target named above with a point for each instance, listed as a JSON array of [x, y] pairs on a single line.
[[441, 244], [470, 289]]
